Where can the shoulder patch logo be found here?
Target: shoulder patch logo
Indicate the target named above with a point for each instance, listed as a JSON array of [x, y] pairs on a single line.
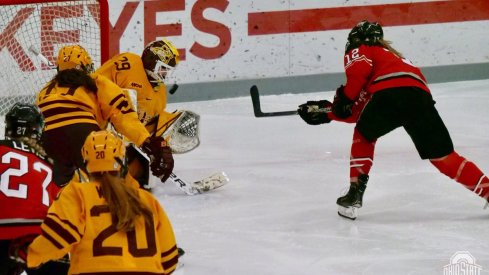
[[136, 85]]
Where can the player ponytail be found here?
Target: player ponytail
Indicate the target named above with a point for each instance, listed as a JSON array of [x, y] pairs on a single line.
[[387, 44], [104, 155], [34, 144], [74, 78], [123, 200]]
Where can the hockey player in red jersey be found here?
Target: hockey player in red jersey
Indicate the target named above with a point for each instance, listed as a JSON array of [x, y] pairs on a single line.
[[400, 97], [26, 186]]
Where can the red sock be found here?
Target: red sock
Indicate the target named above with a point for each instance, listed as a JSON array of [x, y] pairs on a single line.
[[465, 172], [361, 157]]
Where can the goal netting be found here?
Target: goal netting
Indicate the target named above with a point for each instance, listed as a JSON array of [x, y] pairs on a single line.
[[31, 33]]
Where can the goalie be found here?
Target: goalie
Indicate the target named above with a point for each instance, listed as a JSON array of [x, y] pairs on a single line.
[[143, 78]]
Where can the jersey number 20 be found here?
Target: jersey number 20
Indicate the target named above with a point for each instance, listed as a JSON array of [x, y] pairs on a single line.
[[100, 250]]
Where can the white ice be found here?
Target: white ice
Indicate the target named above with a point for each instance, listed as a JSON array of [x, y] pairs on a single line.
[[278, 214]]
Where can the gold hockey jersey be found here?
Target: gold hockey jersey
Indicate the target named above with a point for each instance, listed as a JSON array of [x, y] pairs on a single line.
[[79, 222], [63, 106], [127, 71]]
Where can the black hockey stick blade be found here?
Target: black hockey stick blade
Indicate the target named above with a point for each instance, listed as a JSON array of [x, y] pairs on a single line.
[[173, 88], [255, 99]]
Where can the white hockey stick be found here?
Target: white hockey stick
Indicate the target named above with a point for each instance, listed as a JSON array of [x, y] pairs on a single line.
[[41, 57]]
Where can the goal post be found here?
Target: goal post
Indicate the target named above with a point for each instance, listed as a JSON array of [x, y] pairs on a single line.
[[32, 32]]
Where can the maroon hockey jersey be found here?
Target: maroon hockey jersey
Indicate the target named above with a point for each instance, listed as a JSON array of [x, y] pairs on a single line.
[[26, 189], [374, 68]]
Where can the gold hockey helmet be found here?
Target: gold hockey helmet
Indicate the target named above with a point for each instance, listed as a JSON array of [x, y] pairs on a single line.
[[103, 152], [74, 57]]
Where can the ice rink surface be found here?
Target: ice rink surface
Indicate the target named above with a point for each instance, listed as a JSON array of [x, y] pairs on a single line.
[[278, 214]]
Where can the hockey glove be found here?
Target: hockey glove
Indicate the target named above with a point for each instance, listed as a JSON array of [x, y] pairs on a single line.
[[342, 105], [17, 250], [315, 112], [161, 157]]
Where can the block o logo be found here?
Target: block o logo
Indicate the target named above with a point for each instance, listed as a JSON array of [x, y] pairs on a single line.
[[462, 263]]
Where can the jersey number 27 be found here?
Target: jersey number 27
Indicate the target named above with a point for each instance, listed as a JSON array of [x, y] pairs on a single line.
[[18, 175]]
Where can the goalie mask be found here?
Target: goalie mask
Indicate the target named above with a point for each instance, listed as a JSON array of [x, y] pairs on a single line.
[[74, 57], [103, 152], [159, 58], [24, 120], [365, 32]]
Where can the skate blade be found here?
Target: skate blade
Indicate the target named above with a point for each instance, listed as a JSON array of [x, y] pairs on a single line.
[[348, 212]]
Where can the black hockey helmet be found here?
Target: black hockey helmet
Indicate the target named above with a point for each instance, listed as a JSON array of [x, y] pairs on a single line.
[[24, 120], [365, 32]]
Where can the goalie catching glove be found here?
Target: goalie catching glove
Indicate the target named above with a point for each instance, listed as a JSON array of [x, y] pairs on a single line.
[[315, 112], [160, 155], [180, 129]]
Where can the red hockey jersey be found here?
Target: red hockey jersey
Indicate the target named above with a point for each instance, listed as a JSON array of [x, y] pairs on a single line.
[[374, 68], [26, 189]]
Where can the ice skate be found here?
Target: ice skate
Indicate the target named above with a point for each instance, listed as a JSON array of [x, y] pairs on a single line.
[[348, 204]]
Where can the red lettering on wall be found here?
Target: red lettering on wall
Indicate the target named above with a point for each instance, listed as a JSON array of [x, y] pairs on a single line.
[[275, 22], [49, 36], [152, 30], [8, 40], [211, 27], [116, 31]]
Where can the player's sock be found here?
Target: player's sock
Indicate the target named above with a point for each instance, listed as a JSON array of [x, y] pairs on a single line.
[[465, 172], [361, 156]]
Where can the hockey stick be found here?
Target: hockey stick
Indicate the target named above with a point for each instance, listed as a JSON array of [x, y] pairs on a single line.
[[255, 99], [209, 183], [41, 57], [173, 88]]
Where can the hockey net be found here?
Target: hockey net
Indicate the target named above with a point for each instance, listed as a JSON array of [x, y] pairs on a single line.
[[31, 33]]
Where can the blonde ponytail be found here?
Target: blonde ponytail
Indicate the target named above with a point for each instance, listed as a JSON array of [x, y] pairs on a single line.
[[123, 199], [387, 44], [34, 144]]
